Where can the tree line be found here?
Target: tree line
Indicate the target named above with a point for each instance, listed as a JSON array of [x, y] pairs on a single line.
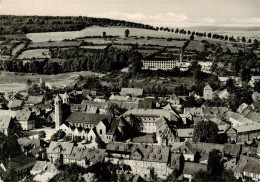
[[192, 34], [10, 24]]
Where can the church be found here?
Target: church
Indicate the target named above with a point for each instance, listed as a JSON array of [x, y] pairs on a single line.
[[85, 125]]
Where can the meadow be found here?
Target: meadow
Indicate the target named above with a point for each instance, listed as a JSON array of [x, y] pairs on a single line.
[[13, 82], [35, 53], [98, 31]]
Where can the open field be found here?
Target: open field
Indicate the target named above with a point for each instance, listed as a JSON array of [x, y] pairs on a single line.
[[12, 87], [123, 47], [49, 44], [94, 47], [35, 53], [13, 82], [170, 85], [98, 31]]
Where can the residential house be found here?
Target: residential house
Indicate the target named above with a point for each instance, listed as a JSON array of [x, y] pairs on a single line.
[[60, 150], [247, 132], [188, 151], [141, 158], [165, 132], [20, 167], [24, 120], [43, 170], [238, 120], [245, 168], [85, 157], [6, 125]]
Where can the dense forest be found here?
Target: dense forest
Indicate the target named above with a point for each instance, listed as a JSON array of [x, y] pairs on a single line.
[[30, 24], [77, 60]]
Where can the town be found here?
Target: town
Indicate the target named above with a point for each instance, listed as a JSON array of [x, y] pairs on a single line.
[[94, 99]]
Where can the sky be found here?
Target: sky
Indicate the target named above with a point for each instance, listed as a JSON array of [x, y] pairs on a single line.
[[172, 13]]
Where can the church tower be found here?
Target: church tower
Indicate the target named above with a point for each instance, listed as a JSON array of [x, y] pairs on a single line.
[[58, 111], [207, 92]]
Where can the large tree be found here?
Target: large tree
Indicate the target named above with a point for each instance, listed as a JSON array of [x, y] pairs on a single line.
[[127, 32], [215, 165], [205, 131]]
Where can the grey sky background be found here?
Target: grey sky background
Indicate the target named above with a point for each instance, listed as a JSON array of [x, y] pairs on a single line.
[[155, 12]]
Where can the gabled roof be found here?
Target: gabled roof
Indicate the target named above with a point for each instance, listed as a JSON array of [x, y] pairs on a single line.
[[22, 115], [247, 128], [148, 138], [149, 113], [8, 113], [207, 87], [79, 117], [20, 163], [34, 100], [15, 104], [5, 122], [40, 166], [152, 153], [64, 148], [245, 164]]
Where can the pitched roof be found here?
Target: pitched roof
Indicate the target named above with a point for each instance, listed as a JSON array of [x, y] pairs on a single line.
[[247, 127], [8, 113], [5, 122], [20, 162], [64, 148], [152, 153], [149, 113], [40, 166], [131, 91], [207, 87], [22, 115], [244, 164], [239, 118], [148, 138], [79, 117], [183, 147], [34, 100], [15, 104]]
